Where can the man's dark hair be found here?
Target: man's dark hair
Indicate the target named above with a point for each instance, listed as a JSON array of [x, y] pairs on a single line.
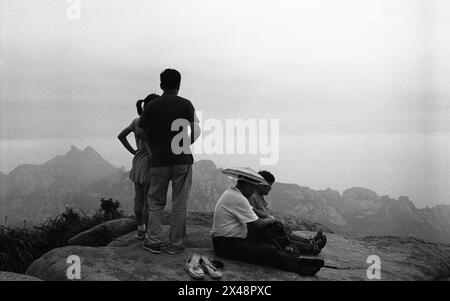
[[170, 79], [270, 178]]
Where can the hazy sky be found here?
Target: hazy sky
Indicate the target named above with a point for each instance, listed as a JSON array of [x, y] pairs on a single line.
[[361, 88]]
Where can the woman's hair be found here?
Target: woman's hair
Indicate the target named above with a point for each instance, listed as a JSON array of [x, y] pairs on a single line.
[[270, 178], [141, 103]]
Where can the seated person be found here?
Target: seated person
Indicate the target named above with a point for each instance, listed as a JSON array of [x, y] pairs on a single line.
[[304, 246], [233, 216]]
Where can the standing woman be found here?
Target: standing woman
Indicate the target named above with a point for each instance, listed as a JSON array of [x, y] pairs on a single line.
[[140, 169]]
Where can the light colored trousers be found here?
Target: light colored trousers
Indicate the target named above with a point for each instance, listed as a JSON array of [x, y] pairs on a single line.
[[181, 178]]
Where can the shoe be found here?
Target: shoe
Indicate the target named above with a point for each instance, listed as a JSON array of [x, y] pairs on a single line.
[[154, 248], [310, 267], [320, 239], [171, 249], [323, 242], [318, 235], [209, 268], [315, 248], [140, 235], [193, 267], [217, 264], [306, 248]]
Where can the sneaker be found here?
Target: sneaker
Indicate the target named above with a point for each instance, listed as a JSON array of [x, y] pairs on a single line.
[[171, 249], [140, 235], [154, 248], [310, 248], [193, 267], [209, 268], [318, 235], [310, 267], [320, 239]]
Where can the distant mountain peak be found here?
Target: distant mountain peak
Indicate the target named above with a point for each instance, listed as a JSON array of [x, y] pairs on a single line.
[[89, 153], [88, 163], [56, 179], [74, 149], [208, 164], [360, 193], [89, 149]]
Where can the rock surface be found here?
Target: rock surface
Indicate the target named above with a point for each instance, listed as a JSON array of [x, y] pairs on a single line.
[[196, 237], [124, 259], [102, 234], [9, 276]]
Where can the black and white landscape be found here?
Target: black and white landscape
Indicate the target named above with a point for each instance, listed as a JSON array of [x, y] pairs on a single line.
[[345, 102], [80, 178]]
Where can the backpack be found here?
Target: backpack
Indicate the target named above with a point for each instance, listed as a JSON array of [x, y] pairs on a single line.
[[277, 235]]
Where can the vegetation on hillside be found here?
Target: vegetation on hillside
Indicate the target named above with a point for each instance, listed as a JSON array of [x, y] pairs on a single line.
[[19, 247]]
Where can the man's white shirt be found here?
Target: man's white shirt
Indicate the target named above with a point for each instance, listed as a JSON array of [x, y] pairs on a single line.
[[231, 214]]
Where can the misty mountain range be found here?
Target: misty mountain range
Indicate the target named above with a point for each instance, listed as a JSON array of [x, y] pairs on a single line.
[[80, 178]]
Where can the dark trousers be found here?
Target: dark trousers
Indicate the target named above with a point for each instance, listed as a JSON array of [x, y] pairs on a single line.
[[255, 249], [257, 253]]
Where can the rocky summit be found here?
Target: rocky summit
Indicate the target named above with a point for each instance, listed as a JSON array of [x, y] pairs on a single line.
[[345, 258]]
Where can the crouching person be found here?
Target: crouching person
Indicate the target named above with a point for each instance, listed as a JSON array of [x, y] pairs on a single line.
[[233, 216], [299, 245]]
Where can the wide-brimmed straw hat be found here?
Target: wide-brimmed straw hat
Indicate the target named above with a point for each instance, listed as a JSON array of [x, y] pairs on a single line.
[[245, 174]]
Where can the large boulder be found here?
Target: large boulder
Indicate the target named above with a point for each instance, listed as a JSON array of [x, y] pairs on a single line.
[[103, 234], [346, 259], [9, 276], [135, 263]]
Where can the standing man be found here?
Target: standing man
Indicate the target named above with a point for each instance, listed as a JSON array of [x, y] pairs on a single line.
[[165, 120]]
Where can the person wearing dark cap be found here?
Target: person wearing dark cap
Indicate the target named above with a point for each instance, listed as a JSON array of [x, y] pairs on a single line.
[[303, 245], [233, 216], [257, 200]]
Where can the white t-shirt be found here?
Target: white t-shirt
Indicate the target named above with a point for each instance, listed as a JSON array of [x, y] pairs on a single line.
[[231, 214]]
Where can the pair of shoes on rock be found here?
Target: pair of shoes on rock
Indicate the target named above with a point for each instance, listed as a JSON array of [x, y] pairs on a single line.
[[316, 245], [304, 248], [313, 247], [198, 266]]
